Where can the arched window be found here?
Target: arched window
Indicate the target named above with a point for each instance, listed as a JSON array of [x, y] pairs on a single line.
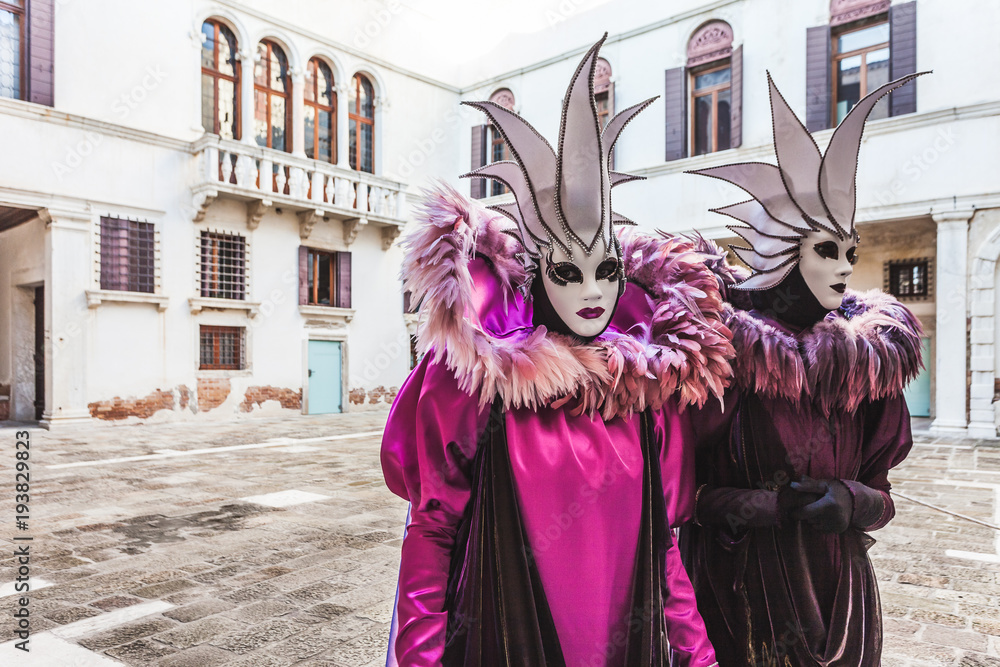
[[272, 106], [361, 108], [710, 83], [320, 112], [499, 150], [220, 81]]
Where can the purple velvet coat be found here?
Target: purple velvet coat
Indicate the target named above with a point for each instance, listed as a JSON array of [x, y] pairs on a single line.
[[825, 402]]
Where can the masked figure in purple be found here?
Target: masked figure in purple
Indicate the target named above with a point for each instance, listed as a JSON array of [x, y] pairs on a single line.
[[541, 441], [793, 475]]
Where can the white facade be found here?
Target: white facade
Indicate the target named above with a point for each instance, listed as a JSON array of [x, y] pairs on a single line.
[[124, 139]]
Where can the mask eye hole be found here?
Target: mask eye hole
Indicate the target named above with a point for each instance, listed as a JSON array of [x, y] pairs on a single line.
[[563, 273], [608, 269], [827, 250], [852, 255]]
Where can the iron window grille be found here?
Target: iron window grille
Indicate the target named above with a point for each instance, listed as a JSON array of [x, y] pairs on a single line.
[[908, 279], [223, 266], [222, 348], [127, 255]]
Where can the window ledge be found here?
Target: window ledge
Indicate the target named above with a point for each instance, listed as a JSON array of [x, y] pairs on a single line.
[[95, 297], [200, 303], [330, 314]]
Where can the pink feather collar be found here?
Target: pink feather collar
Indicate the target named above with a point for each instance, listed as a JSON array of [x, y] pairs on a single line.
[[684, 349], [868, 350]]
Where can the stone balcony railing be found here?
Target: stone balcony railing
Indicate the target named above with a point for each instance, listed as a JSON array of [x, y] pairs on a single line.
[[314, 190]]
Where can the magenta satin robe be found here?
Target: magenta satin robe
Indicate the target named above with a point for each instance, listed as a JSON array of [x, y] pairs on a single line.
[[579, 486]]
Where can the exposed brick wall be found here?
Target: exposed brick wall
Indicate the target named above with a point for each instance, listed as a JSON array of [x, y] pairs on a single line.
[[185, 395], [212, 392], [377, 395], [123, 408], [290, 399], [357, 396]]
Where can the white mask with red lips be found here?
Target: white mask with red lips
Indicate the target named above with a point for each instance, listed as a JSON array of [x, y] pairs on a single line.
[[826, 263], [583, 290]]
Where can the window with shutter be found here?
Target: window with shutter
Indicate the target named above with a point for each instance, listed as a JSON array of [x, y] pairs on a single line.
[[127, 257], [324, 278], [709, 67]]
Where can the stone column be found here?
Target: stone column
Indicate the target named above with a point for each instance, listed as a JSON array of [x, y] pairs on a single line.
[[343, 126], [248, 60], [68, 274], [298, 113], [952, 302], [982, 300]]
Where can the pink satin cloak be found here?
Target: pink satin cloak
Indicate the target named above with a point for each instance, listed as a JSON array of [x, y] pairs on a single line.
[[579, 486]]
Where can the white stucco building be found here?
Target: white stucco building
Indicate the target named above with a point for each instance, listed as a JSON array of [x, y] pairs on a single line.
[[147, 271]]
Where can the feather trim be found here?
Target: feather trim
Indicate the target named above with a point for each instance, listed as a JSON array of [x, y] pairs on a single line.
[[684, 349], [869, 349]]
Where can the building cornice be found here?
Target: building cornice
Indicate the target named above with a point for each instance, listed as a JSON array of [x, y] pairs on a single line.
[[873, 128], [574, 54], [32, 111], [326, 41]]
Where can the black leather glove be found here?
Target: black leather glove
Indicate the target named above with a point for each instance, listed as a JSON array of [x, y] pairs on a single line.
[[833, 512]]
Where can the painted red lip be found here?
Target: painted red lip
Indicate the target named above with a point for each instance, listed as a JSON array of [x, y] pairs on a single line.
[[590, 313], [839, 287]]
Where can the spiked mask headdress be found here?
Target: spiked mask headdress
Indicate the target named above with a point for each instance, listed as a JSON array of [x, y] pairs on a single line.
[[565, 198], [805, 192]]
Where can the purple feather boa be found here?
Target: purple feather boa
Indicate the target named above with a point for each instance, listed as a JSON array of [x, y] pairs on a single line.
[[684, 349]]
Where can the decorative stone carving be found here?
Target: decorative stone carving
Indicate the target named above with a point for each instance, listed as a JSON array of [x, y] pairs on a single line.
[[389, 235], [602, 76], [255, 211], [351, 228], [202, 201], [308, 220], [845, 11], [504, 98], [712, 41]]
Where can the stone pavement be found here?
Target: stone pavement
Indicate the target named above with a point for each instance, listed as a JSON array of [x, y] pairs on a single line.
[[273, 542]]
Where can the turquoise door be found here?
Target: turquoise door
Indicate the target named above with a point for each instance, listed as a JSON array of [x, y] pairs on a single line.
[[324, 377], [918, 392]]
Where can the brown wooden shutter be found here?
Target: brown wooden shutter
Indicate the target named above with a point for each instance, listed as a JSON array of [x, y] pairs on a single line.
[[611, 114], [303, 274], [40, 51], [343, 279], [736, 99], [478, 185], [818, 83], [903, 56], [675, 106]]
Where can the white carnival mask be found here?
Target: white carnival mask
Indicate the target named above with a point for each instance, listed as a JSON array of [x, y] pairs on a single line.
[[583, 289], [826, 264]]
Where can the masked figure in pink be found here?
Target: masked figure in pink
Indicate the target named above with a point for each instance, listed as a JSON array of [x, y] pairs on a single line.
[[793, 475], [542, 441]]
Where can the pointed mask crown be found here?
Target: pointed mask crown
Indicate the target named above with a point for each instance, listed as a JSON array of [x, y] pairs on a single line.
[[805, 192], [565, 198]]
